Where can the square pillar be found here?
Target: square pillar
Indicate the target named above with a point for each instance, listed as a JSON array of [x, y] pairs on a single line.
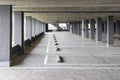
[[28, 27], [19, 29], [86, 28], [37, 27], [5, 35], [46, 27], [118, 27], [110, 31], [92, 29], [79, 24], [99, 29], [105, 27], [33, 27], [83, 28]]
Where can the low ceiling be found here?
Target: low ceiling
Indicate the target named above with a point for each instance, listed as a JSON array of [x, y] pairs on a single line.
[[51, 11]]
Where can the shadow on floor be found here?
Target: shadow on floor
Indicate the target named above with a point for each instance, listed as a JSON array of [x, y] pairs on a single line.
[[19, 59]]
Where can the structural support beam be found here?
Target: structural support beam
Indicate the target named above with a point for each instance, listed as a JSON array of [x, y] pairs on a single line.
[[28, 27], [5, 35], [92, 29], [99, 29], [110, 31], [19, 29]]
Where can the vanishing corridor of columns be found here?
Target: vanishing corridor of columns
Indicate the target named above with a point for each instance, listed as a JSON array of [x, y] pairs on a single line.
[[29, 29], [13, 44]]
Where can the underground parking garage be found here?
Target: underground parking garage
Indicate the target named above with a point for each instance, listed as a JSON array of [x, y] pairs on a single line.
[[63, 40]]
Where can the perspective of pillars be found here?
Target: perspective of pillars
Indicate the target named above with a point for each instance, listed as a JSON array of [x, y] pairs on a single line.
[[92, 29], [5, 34], [110, 30], [28, 27], [98, 29], [19, 29]]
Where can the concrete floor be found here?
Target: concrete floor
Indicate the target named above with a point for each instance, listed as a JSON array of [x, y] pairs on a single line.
[[84, 59]]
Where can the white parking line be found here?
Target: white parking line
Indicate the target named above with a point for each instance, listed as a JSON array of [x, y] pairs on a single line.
[[45, 60], [48, 45]]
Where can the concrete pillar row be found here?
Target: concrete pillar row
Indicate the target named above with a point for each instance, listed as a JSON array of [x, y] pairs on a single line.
[[92, 29], [5, 35], [28, 27], [19, 29], [110, 31], [98, 29]]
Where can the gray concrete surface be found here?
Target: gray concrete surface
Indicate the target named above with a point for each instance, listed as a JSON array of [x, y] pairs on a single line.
[[85, 59]]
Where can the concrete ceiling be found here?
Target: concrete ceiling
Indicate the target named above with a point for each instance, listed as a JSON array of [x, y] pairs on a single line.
[[65, 10]]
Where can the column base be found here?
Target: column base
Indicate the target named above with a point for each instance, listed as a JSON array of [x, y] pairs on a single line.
[[4, 63], [99, 41], [108, 45]]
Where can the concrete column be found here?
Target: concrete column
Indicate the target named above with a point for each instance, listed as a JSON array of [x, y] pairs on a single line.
[[110, 30], [46, 27], [98, 29], [75, 27], [28, 27], [118, 27], [80, 32], [19, 29], [92, 29], [33, 27], [72, 28], [42, 27], [78, 28], [105, 27], [83, 28], [86, 28], [5, 35], [37, 27]]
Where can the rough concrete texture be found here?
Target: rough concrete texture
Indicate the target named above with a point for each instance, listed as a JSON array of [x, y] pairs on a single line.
[[84, 59]]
